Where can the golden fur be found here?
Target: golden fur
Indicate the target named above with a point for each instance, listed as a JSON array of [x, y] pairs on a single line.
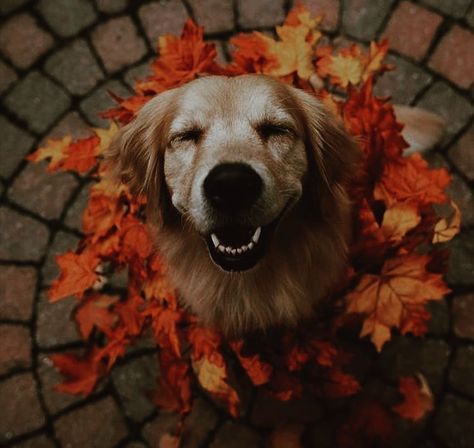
[[308, 171]]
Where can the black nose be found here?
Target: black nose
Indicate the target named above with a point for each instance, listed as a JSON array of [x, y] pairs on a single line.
[[232, 186]]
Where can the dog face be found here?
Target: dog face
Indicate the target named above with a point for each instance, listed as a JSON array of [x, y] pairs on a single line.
[[235, 171]]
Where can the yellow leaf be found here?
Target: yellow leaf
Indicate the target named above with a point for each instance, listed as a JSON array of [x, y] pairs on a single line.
[[398, 220], [105, 136], [447, 228], [212, 378], [54, 151]]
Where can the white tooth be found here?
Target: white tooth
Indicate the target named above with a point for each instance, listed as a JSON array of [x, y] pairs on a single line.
[[256, 235], [250, 245], [244, 248], [239, 250], [234, 251], [215, 240], [221, 248], [228, 250]]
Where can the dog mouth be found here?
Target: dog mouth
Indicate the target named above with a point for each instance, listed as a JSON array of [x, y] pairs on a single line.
[[239, 248]]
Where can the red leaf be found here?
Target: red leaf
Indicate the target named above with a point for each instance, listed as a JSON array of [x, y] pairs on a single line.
[[417, 398]]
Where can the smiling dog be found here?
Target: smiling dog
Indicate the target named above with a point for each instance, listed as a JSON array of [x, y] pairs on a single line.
[[246, 180]]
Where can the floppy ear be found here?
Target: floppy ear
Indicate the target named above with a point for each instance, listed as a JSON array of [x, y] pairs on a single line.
[[333, 154], [137, 153]]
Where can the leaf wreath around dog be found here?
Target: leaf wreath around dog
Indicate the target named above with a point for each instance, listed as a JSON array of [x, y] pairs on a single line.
[[396, 266]]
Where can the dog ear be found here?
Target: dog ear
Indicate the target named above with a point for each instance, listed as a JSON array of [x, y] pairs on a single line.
[[333, 154], [136, 153]]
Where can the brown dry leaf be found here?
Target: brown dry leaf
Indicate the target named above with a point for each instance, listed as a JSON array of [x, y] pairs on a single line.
[[447, 228]]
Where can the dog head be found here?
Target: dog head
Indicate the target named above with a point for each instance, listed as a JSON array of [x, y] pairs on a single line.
[[229, 158]]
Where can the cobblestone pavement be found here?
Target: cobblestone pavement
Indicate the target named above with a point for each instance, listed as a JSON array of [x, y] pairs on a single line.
[[58, 58]]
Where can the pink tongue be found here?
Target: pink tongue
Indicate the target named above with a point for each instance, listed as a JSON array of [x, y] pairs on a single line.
[[235, 236]]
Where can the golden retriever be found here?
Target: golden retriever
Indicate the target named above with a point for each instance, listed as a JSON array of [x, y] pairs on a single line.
[[246, 184]]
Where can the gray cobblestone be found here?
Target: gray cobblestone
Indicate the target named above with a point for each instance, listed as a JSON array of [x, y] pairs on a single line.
[[235, 435], [75, 68], [461, 260], [454, 8], [67, 17], [460, 376], [261, 14], [14, 146], [214, 15], [7, 77], [38, 101], [22, 238]]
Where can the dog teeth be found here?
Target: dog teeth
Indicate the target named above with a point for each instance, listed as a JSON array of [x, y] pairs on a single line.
[[215, 240], [237, 250], [256, 235]]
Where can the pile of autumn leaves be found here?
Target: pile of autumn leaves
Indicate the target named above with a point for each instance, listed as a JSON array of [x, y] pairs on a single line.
[[395, 266]]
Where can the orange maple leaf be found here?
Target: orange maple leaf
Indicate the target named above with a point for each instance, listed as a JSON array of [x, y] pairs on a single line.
[[412, 181], [417, 398], [95, 311], [384, 298], [81, 373], [78, 273], [257, 370]]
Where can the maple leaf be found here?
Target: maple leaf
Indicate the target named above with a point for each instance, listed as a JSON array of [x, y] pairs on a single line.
[[77, 274], [212, 377], [54, 151], [81, 373], [343, 69], [174, 388], [164, 324], [399, 219], [94, 311], [383, 298], [82, 155], [417, 398], [412, 181], [105, 136], [448, 227], [257, 370]]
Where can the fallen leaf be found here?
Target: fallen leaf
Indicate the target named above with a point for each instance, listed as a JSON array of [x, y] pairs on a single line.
[[417, 398]]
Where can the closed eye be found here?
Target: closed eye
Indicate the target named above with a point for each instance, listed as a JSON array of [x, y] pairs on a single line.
[[189, 135], [270, 129]]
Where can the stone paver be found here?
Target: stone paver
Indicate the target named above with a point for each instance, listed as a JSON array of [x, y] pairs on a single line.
[[7, 77], [363, 18], [454, 57], [75, 68], [14, 146], [42, 192], [403, 83], [16, 348], [58, 59], [55, 325], [23, 41], [67, 17], [455, 8], [215, 15], [38, 101], [261, 14], [118, 43], [132, 381], [100, 100], [462, 154], [22, 238], [159, 18], [329, 9], [455, 432], [463, 310], [419, 27], [17, 292], [456, 115], [98, 425], [21, 411]]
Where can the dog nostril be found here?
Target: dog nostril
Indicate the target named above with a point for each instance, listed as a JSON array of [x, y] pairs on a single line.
[[232, 186]]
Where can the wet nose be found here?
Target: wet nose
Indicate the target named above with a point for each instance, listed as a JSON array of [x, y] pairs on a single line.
[[232, 186]]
